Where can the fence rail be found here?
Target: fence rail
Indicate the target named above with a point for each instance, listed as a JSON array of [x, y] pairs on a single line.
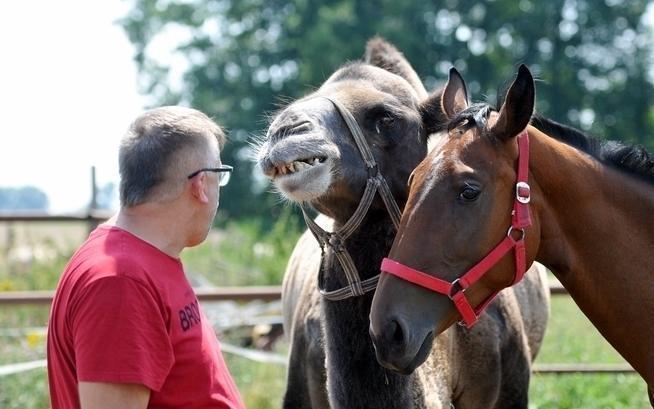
[[249, 293], [30, 216], [264, 293]]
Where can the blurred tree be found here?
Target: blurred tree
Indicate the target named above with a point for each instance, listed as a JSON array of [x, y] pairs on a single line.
[[239, 59], [23, 198]]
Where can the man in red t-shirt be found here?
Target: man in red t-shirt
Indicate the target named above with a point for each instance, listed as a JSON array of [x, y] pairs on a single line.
[[126, 329]]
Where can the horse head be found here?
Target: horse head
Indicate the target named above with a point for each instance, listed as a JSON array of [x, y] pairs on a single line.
[[459, 207]]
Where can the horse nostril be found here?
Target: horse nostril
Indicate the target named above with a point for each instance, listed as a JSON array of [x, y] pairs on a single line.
[[398, 334]]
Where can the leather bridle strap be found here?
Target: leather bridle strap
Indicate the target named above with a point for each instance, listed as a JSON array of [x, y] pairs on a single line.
[[455, 290], [336, 240]]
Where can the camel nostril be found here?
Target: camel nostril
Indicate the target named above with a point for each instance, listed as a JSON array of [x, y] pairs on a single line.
[[302, 126]]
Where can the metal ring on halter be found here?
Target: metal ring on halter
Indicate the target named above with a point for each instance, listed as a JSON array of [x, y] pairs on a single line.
[[511, 228]]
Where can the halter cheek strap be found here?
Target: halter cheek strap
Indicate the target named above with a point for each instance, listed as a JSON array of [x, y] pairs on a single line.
[[336, 240], [455, 290]]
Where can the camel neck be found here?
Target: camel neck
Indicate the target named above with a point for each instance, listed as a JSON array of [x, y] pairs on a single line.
[[350, 352]]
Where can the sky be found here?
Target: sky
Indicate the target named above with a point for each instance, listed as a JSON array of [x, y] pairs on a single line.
[[68, 92]]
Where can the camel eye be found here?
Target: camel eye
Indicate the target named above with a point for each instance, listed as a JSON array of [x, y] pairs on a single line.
[[384, 122], [469, 194], [387, 121]]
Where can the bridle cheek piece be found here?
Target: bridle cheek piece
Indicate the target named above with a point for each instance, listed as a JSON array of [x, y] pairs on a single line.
[[456, 290], [336, 240]]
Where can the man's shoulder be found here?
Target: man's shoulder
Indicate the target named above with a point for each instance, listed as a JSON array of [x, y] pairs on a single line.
[[111, 251]]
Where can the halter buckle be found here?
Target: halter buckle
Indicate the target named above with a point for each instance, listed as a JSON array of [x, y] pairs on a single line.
[[522, 192]]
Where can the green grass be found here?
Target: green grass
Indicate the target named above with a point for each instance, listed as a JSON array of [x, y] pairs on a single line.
[[261, 385], [245, 254], [572, 338]]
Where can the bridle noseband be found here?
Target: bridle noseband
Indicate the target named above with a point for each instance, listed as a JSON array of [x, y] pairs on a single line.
[[455, 290], [336, 240]]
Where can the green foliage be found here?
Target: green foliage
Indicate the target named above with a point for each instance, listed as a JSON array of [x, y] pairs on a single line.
[[246, 57], [247, 252], [23, 198], [28, 389], [261, 385]]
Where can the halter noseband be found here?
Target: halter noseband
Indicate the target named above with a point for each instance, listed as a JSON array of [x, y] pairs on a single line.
[[336, 240], [456, 290]]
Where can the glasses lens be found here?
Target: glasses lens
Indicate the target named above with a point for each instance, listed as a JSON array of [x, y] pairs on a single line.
[[224, 178]]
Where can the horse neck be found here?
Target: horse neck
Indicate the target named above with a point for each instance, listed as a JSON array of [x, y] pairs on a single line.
[[355, 377], [596, 229]]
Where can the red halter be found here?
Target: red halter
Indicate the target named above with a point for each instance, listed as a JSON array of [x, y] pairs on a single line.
[[456, 290]]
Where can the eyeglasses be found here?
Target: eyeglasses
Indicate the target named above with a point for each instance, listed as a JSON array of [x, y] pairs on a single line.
[[224, 172]]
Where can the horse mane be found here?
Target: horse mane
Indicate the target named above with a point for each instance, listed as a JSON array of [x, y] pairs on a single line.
[[634, 160]]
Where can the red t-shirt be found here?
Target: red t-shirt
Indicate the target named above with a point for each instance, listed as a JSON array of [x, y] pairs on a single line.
[[124, 312]]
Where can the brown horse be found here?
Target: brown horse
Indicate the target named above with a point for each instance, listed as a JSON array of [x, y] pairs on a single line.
[[312, 156], [582, 208]]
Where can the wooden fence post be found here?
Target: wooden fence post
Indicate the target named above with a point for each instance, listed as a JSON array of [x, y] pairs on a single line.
[[93, 204]]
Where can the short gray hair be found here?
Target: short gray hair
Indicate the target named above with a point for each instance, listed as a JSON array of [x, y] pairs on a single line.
[[150, 147]]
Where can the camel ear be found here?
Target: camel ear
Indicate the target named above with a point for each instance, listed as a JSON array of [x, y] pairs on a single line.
[[431, 112], [455, 95], [383, 54], [518, 106]]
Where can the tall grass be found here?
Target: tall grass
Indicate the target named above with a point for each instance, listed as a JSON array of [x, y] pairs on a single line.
[[245, 253]]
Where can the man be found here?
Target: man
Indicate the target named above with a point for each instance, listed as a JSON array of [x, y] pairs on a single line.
[[126, 330]]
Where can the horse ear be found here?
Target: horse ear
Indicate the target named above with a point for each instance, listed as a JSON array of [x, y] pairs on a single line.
[[431, 112], [518, 106], [383, 54], [455, 94]]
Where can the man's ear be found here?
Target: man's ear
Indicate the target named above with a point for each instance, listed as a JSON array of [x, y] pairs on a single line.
[[455, 95], [518, 106], [198, 188]]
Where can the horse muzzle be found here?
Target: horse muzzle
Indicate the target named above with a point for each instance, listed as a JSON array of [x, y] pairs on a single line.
[[399, 350]]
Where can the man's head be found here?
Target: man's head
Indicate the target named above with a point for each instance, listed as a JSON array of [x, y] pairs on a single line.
[[160, 150]]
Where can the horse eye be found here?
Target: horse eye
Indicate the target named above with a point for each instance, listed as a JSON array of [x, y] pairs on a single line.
[[469, 194]]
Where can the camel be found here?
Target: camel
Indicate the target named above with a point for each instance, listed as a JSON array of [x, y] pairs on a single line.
[[312, 158]]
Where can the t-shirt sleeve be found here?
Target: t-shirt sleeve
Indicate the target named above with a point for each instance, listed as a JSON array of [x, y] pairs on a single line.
[[120, 334]]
